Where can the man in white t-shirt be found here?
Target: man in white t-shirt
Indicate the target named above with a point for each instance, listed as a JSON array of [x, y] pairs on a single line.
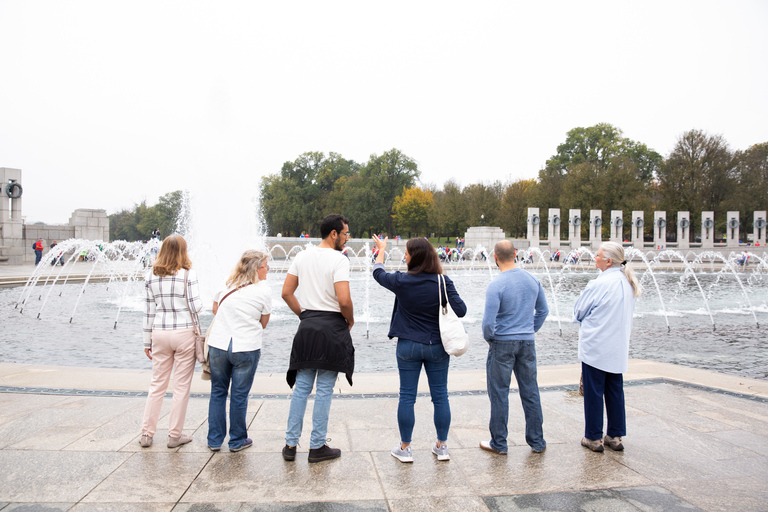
[[317, 289]]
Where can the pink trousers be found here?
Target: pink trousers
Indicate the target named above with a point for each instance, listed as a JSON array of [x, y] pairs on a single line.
[[169, 348]]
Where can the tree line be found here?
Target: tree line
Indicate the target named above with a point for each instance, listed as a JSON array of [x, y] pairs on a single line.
[[594, 168]]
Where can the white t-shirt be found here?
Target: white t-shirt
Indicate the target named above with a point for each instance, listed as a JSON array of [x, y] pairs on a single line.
[[318, 269], [239, 318]]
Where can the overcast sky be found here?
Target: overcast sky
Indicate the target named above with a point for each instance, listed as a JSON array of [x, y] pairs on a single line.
[[104, 103]]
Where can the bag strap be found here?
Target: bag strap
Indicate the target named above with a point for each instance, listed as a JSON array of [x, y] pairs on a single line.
[[442, 293], [233, 291]]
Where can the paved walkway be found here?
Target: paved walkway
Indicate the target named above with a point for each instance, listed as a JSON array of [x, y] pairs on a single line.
[[697, 441]]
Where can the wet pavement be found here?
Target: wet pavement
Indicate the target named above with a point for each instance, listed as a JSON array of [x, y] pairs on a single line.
[[696, 440]]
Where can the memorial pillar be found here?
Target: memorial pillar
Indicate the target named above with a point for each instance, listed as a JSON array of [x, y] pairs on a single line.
[[637, 229], [683, 230], [660, 229], [595, 229], [533, 227], [707, 230], [758, 228], [732, 230], [574, 228], [617, 226], [553, 229]]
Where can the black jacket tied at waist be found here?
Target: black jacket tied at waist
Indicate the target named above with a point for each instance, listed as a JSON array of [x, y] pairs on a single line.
[[322, 342]]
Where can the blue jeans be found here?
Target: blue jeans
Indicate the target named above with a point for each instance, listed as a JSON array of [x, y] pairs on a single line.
[[505, 357], [410, 357], [599, 384], [238, 369], [305, 379]]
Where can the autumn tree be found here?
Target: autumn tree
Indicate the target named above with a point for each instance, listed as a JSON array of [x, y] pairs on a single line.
[[387, 175], [411, 210]]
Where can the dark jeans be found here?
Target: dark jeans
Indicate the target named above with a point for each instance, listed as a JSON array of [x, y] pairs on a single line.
[[599, 384], [410, 358], [238, 369], [505, 357], [38, 256]]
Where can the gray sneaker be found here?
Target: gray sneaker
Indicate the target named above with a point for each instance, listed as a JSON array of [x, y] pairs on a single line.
[[403, 454], [175, 442], [145, 441], [614, 443], [441, 451], [596, 445]]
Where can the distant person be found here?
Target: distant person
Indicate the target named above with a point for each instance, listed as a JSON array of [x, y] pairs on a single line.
[[156, 234], [604, 311], [169, 337], [515, 309], [316, 289], [416, 326], [38, 248], [242, 312], [57, 257]]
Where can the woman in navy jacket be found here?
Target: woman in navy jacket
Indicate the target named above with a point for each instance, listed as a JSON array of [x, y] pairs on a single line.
[[416, 326]]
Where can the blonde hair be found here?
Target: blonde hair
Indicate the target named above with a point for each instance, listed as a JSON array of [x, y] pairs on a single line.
[[172, 257], [615, 252], [246, 270]]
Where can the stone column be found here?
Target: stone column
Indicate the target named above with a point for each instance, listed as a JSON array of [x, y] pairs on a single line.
[[660, 229], [534, 221], [595, 228], [617, 226], [574, 228], [707, 230], [638, 226], [683, 230], [12, 243], [759, 226], [553, 229], [732, 230]]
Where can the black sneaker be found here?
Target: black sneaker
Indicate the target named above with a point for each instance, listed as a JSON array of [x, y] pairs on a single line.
[[325, 452], [289, 453]]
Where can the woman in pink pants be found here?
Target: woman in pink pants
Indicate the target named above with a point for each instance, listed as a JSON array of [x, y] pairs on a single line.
[[169, 337]]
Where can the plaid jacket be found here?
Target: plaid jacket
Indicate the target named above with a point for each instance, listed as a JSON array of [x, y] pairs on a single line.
[[167, 306]]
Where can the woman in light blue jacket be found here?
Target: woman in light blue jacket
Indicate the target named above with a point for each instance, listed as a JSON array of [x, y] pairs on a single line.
[[604, 309]]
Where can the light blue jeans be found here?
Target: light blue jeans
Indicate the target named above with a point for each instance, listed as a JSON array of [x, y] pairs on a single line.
[[505, 357], [305, 380]]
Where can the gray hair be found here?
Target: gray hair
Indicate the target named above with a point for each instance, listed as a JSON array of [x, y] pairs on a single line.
[[615, 252]]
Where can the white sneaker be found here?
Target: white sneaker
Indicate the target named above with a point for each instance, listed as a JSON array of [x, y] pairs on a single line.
[[402, 454], [441, 452]]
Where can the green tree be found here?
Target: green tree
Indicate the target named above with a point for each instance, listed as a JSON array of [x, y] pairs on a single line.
[[450, 210], [514, 207], [411, 210], [297, 199], [483, 203], [752, 178], [387, 175], [698, 175]]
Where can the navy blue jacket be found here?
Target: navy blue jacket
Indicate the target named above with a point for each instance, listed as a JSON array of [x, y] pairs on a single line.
[[414, 316]]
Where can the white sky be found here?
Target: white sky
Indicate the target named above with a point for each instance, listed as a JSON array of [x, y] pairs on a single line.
[[106, 103]]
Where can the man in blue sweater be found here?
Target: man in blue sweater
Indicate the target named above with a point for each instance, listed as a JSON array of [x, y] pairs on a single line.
[[515, 308]]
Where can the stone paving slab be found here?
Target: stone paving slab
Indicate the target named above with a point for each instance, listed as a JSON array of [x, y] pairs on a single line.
[[689, 447]]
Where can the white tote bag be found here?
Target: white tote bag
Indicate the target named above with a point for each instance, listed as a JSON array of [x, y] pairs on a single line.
[[455, 338]]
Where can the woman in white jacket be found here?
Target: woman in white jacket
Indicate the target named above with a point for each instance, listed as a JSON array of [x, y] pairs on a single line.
[[234, 347], [604, 309]]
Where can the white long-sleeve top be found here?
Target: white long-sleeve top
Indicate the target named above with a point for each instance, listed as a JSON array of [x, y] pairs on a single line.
[[166, 303], [604, 309]]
